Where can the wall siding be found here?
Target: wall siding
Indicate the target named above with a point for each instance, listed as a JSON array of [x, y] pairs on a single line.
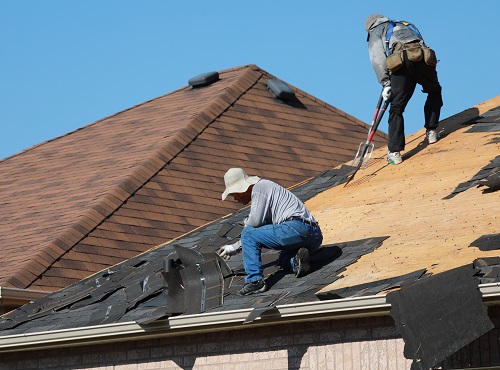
[[337, 344]]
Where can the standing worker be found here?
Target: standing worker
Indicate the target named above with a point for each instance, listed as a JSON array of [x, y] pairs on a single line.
[[278, 220], [401, 59]]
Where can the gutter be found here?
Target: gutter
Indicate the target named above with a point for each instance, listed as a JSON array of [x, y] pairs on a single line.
[[367, 306], [11, 298]]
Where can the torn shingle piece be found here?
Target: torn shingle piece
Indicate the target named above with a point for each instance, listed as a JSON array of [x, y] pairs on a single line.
[[489, 269], [225, 228], [484, 127], [491, 272], [257, 312], [439, 315], [484, 173], [487, 242], [479, 179], [372, 288], [151, 284], [150, 316], [235, 232], [486, 261], [55, 305], [491, 182], [110, 315]]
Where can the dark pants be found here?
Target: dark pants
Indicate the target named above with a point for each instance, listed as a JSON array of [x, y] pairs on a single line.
[[403, 83]]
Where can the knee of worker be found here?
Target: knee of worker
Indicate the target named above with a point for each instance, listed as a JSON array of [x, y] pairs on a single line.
[[315, 244], [396, 109], [435, 98], [247, 233]]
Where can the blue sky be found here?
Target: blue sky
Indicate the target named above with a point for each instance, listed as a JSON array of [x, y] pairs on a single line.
[[66, 64]]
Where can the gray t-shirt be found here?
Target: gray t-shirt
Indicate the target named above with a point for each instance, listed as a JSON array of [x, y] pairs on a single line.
[[273, 204]]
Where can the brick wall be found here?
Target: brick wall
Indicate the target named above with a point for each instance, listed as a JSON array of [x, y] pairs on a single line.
[[337, 344]]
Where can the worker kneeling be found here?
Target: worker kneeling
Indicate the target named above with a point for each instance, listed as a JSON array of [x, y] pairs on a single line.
[[278, 220]]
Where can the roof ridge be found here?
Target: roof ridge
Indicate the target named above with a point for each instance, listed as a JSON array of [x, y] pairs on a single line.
[[332, 108], [138, 177]]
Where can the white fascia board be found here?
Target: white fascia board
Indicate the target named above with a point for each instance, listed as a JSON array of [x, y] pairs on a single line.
[[366, 306]]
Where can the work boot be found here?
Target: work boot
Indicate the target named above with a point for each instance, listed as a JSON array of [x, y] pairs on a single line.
[[258, 286], [394, 158], [432, 136], [301, 262]]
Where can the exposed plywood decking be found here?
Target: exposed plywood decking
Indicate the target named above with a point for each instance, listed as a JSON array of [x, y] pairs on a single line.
[[406, 202]]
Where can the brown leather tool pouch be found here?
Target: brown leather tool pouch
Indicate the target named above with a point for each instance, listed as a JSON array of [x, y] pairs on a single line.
[[414, 52], [395, 61], [429, 56]]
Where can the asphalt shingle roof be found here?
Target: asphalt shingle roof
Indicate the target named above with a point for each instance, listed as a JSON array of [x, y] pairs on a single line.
[[363, 253], [102, 194]]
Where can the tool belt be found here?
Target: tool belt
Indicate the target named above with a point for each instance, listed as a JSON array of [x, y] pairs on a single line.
[[414, 52]]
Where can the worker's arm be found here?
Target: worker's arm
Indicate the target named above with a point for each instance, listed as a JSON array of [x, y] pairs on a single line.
[[376, 48]]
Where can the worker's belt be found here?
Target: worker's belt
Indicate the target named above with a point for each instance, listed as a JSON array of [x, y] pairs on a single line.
[[295, 218]]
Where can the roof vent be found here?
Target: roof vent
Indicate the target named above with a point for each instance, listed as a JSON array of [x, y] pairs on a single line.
[[204, 79], [280, 90]]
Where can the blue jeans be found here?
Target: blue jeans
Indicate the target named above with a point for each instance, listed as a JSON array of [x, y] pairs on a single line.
[[286, 237]]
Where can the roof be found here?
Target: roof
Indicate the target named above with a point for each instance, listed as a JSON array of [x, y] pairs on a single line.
[[433, 206], [391, 224], [102, 194]]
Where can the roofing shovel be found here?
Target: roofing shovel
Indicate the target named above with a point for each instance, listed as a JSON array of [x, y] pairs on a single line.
[[365, 150]]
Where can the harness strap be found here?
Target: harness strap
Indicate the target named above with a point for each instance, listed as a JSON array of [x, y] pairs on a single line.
[[388, 36], [392, 24]]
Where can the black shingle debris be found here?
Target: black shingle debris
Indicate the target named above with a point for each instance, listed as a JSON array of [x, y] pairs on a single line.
[[487, 122], [488, 176], [323, 181], [372, 288], [489, 269], [438, 315], [488, 242], [149, 300], [142, 290]]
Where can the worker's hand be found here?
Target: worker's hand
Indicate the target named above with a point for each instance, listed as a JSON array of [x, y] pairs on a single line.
[[228, 250], [387, 93]]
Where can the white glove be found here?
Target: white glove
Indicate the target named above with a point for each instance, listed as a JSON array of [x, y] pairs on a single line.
[[228, 250], [387, 93]]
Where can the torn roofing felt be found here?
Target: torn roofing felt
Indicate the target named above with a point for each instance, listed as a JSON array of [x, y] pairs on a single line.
[[439, 315], [373, 287], [487, 122], [488, 176], [487, 242], [186, 276]]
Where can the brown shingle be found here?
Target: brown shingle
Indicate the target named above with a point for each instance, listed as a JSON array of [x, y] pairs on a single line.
[[151, 173]]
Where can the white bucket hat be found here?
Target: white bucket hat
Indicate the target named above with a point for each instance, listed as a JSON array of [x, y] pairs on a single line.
[[237, 181]]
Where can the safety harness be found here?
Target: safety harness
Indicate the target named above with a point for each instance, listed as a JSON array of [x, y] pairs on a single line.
[[392, 24]]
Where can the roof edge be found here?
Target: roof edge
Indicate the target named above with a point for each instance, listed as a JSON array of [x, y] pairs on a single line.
[[367, 306], [183, 324]]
